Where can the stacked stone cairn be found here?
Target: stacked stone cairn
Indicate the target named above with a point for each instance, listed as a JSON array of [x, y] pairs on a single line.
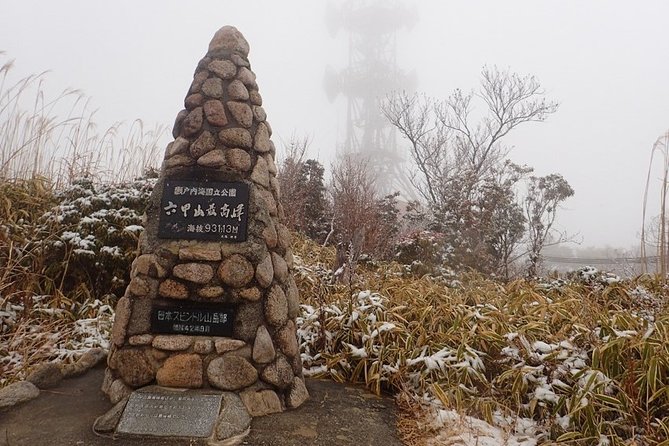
[[221, 135]]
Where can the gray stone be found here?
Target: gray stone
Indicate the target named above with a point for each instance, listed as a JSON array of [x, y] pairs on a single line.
[[259, 113], [201, 252], [179, 145], [236, 271], [276, 307], [286, 340], [297, 394], [194, 272], [228, 38], [260, 174], [203, 346], [239, 61], [198, 80], [203, 144], [263, 348], [247, 77], [231, 372], [143, 339], [224, 69], [262, 143], [279, 373], [292, 298], [172, 342], [265, 272], [261, 403], [45, 375], [255, 97], [121, 320], [194, 100], [215, 113], [290, 259], [215, 158], [173, 289], [213, 87], [249, 317], [275, 187], [118, 391], [270, 235], [178, 123], [268, 200], [241, 112], [234, 420], [154, 411], [280, 267], [284, 236], [235, 138], [139, 286], [237, 91], [271, 165], [140, 317], [238, 159], [134, 366], [107, 423], [183, 370], [193, 122], [225, 345]]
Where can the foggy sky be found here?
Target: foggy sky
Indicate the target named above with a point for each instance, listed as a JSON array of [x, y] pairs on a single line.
[[606, 62]]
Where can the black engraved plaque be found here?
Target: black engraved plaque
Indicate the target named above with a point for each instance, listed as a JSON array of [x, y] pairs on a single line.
[[191, 318], [204, 210]]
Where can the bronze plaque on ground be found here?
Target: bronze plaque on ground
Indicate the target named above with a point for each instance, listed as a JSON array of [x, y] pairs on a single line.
[[204, 210], [156, 411]]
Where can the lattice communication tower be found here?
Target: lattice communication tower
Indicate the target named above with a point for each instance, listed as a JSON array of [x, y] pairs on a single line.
[[371, 74]]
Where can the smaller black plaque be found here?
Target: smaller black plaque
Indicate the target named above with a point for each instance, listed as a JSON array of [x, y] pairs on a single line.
[[192, 318], [204, 210]]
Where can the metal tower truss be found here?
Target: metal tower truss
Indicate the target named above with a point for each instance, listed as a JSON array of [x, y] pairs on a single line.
[[371, 74]]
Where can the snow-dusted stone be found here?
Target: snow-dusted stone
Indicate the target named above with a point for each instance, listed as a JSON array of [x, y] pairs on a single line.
[[261, 403], [225, 345], [234, 420], [265, 272], [262, 143], [207, 253], [203, 144], [279, 373], [172, 342], [236, 271], [231, 372], [45, 375], [183, 370], [280, 267], [213, 87], [237, 91], [263, 348], [193, 122], [121, 320], [173, 289], [229, 39], [286, 340], [194, 272], [235, 138], [276, 307], [139, 340], [260, 174], [297, 394], [241, 112], [292, 298], [238, 159], [215, 113], [134, 366], [255, 97], [224, 69], [147, 264]]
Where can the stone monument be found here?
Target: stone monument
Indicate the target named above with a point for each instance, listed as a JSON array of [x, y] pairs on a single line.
[[211, 303]]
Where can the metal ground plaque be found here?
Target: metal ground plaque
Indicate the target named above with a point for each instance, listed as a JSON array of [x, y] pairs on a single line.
[[191, 318], [160, 412], [204, 210]]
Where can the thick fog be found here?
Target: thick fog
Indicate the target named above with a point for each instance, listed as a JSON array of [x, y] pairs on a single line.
[[605, 62]]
